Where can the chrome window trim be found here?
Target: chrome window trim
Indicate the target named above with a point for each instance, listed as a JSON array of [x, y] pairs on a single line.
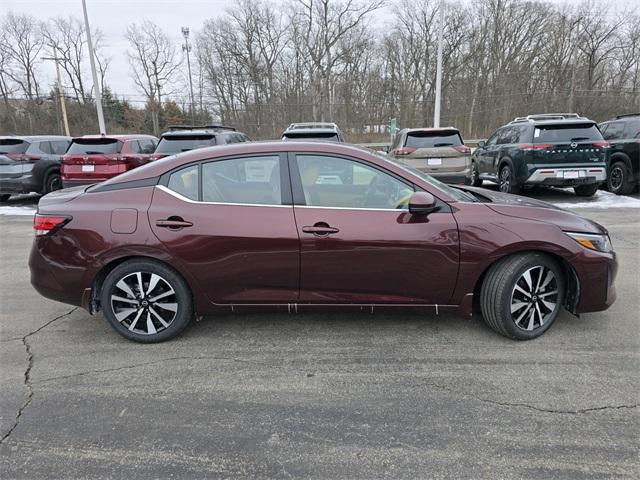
[[188, 200], [397, 210]]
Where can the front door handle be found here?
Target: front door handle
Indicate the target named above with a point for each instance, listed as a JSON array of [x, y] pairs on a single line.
[[173, 223], [320, 229]]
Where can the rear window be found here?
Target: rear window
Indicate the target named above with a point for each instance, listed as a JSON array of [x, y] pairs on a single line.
[[182, 143], [633, 129], [566, 133], [13, 145], [330, 136], [426, 139], [89, 146]]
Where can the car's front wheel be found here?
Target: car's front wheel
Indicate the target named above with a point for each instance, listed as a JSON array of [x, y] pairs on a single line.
[[146, 301], [586, 190], [506, 180], [522, 295], [619, 180], [52, 182]]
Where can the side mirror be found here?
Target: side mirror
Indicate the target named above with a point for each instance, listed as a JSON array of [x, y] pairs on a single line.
[[481, 144], [422, 203]]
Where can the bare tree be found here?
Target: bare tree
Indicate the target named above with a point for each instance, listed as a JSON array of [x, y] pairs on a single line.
[[22, 43]]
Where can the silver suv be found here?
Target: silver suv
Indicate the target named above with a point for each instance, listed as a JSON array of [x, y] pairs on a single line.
[[322, 131]]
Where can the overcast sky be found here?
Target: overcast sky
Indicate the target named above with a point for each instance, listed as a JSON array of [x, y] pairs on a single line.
[[112, 17]]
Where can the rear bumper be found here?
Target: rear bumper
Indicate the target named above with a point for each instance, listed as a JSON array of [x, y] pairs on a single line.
[[23, 184], [563, 176], [453, 178]]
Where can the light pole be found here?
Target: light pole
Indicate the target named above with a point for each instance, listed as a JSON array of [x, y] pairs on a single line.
[[63, 106], [187, 48], [96, 86], [436, 109]]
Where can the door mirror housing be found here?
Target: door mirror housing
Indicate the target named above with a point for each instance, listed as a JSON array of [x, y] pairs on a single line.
[[481, 144], [422, 203]]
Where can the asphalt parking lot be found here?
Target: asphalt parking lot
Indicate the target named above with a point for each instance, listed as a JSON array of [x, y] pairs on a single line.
[[325, 395]]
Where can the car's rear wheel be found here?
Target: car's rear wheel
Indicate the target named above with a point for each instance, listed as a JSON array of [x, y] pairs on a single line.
[[4, 197], [586, 190], [474, 180], [52, 182], [619, 180], [522, 295], [146, 301], [506, 180]]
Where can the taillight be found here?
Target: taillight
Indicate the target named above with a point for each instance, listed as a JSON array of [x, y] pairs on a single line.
[[156, 156], [463, 149], [404, 151], [603, 144], [535, 146], [46, 224]]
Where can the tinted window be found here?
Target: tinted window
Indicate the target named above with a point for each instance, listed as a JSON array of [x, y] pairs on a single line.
[[614, 131], [253, 180], [59, 146], [338, 182], [185, 182], [326, 136], [182, 143], [147, 145], [493, 139], [88, 146], [41, 147], [426, 139], [509, 135], [633, 129], [13, 145], [134, 146], [566, 133]]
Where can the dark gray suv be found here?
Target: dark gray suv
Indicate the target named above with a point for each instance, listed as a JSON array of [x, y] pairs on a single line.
[[182, 138]]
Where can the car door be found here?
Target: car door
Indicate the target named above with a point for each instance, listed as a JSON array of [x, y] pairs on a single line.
[[487, 154], [230, 223], [360, 244]]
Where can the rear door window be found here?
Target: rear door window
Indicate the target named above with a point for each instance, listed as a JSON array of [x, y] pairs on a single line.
[[41, 147], [89, 146], [633, 129], [185, 182], [59, 146], [13, 145], [614, 131], [566, 133], [183, 143], [147, 145], [428, 139]]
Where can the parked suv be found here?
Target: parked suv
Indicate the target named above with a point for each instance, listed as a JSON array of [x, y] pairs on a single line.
[[440, 152], [181, 138], [313, 131], [623, 134], [95, 158], [558, 149], [30, 164]]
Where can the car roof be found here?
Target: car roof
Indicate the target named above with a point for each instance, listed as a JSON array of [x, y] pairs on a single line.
[[35, 138], [431, 129], [309, 131], [196, 132], [116, 136]]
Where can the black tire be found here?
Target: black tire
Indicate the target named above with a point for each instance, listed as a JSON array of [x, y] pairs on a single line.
[[498, 295], [586, 190], [52, 182], [506, 180], [4, 197], [180, 299], [619, 179], [474, 180]]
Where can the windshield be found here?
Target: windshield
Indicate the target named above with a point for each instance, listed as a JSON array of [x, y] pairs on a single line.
[[454, 193], [330, 136], [566, 133], [181, 143], [13, 145], [429, 139], [88, 146]]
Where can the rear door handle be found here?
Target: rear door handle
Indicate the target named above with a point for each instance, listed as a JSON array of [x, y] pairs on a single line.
[[173, 223], [320, 230]]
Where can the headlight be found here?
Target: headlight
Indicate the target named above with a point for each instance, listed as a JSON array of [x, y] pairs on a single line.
[[592, 241]]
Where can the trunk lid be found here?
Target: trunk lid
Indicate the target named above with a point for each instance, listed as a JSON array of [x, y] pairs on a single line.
[[568, 144], [93, 159]]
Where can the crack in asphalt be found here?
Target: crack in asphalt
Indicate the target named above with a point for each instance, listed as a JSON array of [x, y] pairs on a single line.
[[27, 372], [533, 407]]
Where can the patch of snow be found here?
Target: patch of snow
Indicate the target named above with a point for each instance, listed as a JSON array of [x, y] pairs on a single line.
[[8, 210], [602, 199]]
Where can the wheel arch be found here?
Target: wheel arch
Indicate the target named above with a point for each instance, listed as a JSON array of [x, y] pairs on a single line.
[[572, 283], [623, 157]]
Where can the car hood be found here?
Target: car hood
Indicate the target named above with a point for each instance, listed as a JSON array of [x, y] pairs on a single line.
[[532, 209]]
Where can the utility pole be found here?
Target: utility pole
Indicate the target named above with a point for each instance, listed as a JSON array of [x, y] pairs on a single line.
[[436, 110], [187, 48], [96, 85], [63, 106]]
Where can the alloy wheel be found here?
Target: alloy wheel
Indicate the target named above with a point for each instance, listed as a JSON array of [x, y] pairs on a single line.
[[144, 303], [54, 183], [534, 298], [505, 180], [616, 178]]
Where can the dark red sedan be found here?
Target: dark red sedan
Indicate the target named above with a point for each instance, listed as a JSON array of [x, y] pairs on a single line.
[[305, 225]]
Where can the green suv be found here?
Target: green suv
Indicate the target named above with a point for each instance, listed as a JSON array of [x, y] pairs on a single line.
[[555, 149]]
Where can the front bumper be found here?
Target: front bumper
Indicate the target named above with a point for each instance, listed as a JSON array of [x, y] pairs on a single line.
[[567, 176], [596, 274]]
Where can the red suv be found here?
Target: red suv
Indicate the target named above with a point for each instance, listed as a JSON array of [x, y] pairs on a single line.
[[95, 158]]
